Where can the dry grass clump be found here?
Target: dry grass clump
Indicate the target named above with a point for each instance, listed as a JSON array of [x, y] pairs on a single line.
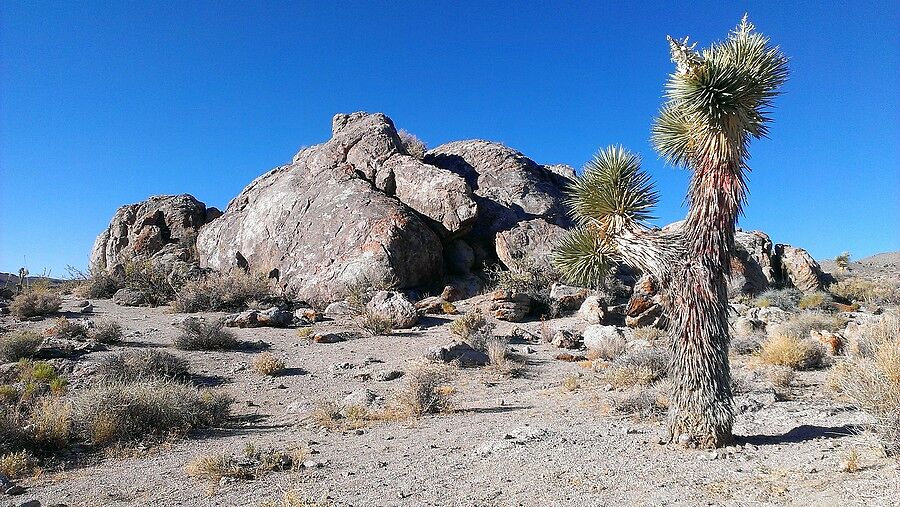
[[330, 415], [412, 144], [374, 323], [746, 345], [786, 299], [107, 332], [116, 412], [428, 390], [292, 498], [814, 301], [267, 364], [473, 329], [231, 290], [199, 334], [873, 382], [873, 334], [800, 325], [502, 361], [17, 345], [148, 364], [638, 367], [151, 279], [649, 333], [793, 352], [16, 464], [643, 404], [99, 285], [69, 329], [866, 291], [305, 333], [36, 301], [253, 463], [781, 376]]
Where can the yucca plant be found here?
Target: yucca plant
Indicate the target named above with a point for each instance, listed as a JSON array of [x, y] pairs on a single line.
[[717, 101]]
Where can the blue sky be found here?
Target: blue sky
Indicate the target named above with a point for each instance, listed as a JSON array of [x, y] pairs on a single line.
[[103, 105]]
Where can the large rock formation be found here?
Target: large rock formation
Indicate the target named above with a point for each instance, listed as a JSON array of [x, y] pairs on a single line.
[[162, 229], [520, 203], [359, 208], [799, 269]]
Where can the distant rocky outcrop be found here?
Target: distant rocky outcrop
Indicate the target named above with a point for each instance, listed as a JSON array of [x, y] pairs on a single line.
[[163, 230]]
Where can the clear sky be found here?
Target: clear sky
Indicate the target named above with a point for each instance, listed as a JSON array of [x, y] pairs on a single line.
[[107, 103]]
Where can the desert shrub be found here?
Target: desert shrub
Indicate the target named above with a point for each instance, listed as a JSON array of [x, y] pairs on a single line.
[[866, 291], [814, 301], [35, 302], [473, 329], [873, 334], [745, 345], [267, 364], [69, 329], [789, 350], [252, 463], [842, 261], [304, 332], [638, 367], [50, 422], [607, 349], [649, 333], [448, 308], [412, 144], [147, 364], [800, 325], [524, 277], [16, 345], [292, 498], [107, 332], [427, 390], [781, 376], [114, 412], [874, 386], [100, 285], [786, 299], [231, 290], [501, 361], [374, 323], [199, 334], [151, 279], [644, 404], [16, 464]]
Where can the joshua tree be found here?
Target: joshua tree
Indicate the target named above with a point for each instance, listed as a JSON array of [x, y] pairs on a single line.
[[717, 101], [843, 261]]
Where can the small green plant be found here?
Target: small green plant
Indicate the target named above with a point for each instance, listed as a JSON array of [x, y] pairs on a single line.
[[199, 334]]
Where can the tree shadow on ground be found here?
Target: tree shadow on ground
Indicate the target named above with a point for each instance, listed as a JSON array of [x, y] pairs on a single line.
[[800, 434], [493, 410]]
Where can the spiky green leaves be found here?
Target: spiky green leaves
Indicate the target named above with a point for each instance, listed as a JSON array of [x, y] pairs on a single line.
[[719, 98], [612, 195], [584, 256], [613, 192]]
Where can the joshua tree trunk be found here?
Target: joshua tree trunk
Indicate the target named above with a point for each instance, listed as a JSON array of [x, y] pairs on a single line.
[[717, 101]]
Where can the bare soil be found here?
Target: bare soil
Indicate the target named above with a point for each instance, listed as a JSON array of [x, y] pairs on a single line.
[[545, 438]]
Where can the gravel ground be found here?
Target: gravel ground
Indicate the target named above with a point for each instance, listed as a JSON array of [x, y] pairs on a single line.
[[545, 438]]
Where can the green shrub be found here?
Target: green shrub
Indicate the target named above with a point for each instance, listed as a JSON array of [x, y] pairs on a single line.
[[198, 334], [16, 345], [151, 279]]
